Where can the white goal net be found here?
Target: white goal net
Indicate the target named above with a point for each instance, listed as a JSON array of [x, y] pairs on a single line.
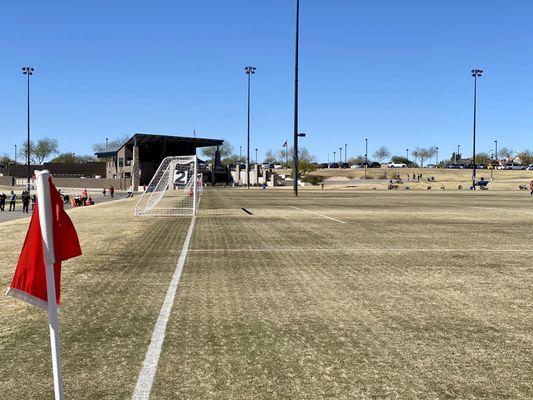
[[174, 190]]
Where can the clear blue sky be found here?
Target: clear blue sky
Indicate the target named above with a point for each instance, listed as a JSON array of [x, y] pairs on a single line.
[[395, 72]]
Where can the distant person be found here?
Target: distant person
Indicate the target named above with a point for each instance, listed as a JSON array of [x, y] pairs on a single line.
[[33, 200], [531, 187], [12, 200], [89, 201], [3, 198], [25, 202], [322, 184], [104, 192], [111, 191]]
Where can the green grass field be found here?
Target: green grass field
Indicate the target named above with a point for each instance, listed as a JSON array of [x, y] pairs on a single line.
[[336, 294]]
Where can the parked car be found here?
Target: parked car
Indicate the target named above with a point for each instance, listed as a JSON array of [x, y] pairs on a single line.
[[513, 166], [530, 167], [431, 166], [323, 165], [396, 165], [345, 165], [454, 166], [333, 165], [278, 166]]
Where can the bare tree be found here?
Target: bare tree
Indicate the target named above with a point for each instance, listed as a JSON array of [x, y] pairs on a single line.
[[270, 157], [111, 144], [526, 157], [506, 154], [424, 154], [381, 153]]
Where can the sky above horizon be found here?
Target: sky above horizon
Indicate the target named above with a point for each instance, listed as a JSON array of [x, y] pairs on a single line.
[[397, 73]]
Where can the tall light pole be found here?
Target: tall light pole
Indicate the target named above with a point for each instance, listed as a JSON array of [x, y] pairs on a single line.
[[249, 70], [496, 149], [256, 161], [334, 153], [106, 143], [340, 156], [15, 154], [240, 154], [457, 154], [407, 154], [366, 156], [437, 158], [28, 71], [476, 73], [345, 149], [295, 146]]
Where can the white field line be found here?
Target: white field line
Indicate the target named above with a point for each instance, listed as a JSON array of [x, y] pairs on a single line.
[[370, 250], [320, 215], [146, 377]]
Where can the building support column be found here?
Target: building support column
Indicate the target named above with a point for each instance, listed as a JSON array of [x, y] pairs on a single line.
[[135, 173]]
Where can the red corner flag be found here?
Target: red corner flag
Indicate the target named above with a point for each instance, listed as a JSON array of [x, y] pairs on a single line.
[[29, 282]]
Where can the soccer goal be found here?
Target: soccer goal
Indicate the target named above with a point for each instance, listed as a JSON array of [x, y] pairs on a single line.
[[174, 190]]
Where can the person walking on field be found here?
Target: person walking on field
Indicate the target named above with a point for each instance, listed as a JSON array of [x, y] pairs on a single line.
[[12, 200], [3, 198], [111, 191], [25, 202], [531, 187], [104, 192]]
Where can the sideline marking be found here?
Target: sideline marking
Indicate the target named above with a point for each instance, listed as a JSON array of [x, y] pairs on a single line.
[[320, 215], [146, 377], [362, 250]]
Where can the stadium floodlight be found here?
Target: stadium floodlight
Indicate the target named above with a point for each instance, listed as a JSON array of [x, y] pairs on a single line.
[[476, 73], [295, 132], [28, 71], [174, 190], [249, 70]]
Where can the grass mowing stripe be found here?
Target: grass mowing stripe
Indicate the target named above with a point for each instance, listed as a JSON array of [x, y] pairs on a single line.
[[320, 215], [149, 369], [363, 250]]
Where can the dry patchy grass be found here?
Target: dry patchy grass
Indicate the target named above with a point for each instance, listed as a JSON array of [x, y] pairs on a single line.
[[417, 295]]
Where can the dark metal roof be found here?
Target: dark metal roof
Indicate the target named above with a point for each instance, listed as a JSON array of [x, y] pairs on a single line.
[[150, 138], [143, 138], [106, 153]]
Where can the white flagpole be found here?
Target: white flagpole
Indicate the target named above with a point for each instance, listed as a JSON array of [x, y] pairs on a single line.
[[45, 219]]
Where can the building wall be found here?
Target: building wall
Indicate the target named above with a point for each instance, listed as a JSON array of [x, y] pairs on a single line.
[[89, 169]]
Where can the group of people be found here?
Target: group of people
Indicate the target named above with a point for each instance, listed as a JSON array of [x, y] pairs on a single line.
[[83, 199], [111, 191], [12, 197]]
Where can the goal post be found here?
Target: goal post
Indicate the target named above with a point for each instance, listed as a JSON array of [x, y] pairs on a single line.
[[174, 189]]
